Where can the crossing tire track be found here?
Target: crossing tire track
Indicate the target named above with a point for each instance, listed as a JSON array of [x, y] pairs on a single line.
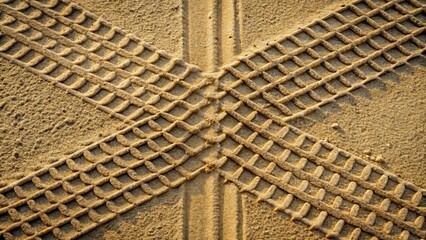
[[329, 58], [159, 151], [129, 99], [293, 171], [106, 35], [179, 117], [110, 177], [284, 155]]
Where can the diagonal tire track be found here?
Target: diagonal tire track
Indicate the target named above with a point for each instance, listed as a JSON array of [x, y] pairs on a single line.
[[124, 99], [255, 145], [246, 105], [110, 37], [114, 169], [338, 57], [261, 108], [59, 33], [324, 187], [255, 81], [182, 115]]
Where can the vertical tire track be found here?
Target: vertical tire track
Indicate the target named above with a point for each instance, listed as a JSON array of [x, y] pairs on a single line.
[[230, 45], [233, 215], [185, 31]]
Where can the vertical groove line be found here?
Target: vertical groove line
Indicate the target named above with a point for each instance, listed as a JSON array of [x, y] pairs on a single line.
[[244, 217], [213, 48], [218, 38], [237, 26], [185, 211], [217, 206], [241, 213], [185, 31]]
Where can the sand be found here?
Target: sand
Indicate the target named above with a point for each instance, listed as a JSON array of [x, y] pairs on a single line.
[[386, 119], [383, 123], [41, 123]]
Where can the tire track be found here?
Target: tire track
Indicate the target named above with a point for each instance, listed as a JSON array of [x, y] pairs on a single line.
[[101, 84], [227, 45], [31, 207], [253, 107], [185, 212], [105, 34], [312, 181], [296, 162], [208, 37], [246, 99], [179, 103], [93, 185], [329, 58], [203, 33], [229, 37], [254, 148], [203, 196], [204, 200], [185, 31], [233, 213], [213, 32], [190, 122]]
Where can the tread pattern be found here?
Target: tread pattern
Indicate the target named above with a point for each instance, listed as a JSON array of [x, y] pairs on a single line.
[[329, 58], [95, 184], [160, 97], [167, 104], [313, 181], [128, 78]]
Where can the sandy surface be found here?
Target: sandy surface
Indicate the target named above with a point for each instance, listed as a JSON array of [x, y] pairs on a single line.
[[159, 218], [264, 21], [41, 123], [158, 23], [161, 24], [384, 122], [385, 119]]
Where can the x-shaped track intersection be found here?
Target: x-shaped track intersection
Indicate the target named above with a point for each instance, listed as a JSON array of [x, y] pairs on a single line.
[[183, 122]]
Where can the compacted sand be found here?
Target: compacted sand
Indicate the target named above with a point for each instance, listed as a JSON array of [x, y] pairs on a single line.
[[381, 122]]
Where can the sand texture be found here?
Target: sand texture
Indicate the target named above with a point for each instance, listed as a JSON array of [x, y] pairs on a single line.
[[187, 119]]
